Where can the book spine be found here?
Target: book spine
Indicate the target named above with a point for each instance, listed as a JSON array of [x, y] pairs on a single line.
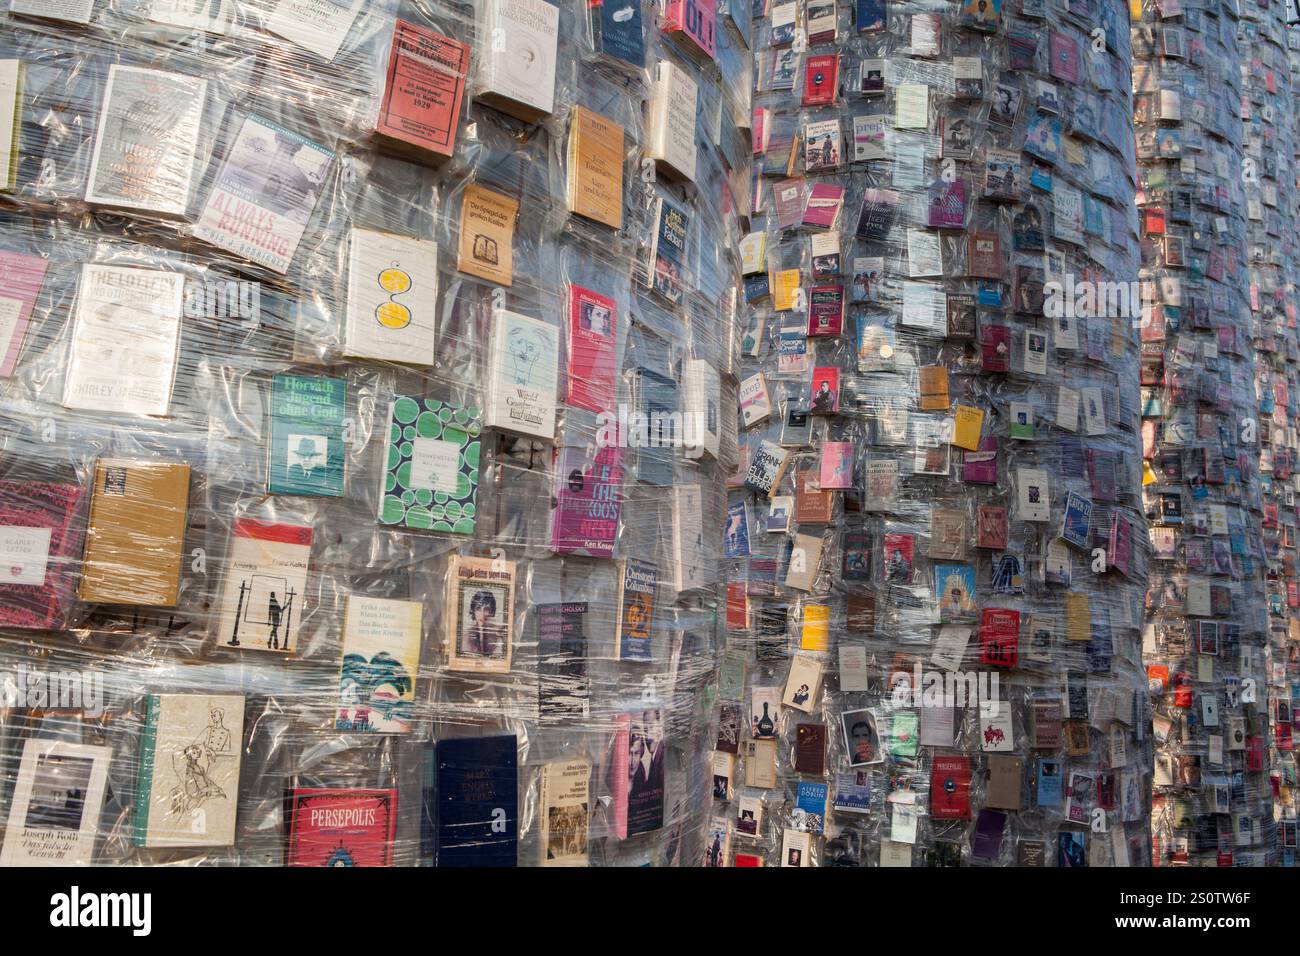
[[144, 782]]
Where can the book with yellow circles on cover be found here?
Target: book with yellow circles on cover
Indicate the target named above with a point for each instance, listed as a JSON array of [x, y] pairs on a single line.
[[392, 297]]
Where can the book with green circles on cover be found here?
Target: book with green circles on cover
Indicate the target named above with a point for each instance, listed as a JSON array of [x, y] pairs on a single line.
[[430, 476]]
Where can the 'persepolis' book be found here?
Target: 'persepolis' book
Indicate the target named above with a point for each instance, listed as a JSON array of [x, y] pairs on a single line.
[[638, 583], [523, 371], [472, 801], [564, 812], [21, 279], [342, 827], [592, 342], [265, 193], [480, 612], [306, 453], [595, 167], [423, 89], [187, 787], [126, 334], [146, 143], [431, 466], [135, 533], [381, 659], [40, 545], [587, 502], [392, 297], [56, 805], [266, 584]]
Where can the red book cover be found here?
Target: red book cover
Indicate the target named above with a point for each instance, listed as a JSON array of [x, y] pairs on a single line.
[[748, 859], [821, 79], [593, 332], [40, 543], [342, 827], [21, 278], [995, 348], [737, 606], [694, 19], [1000, 637], [991, 527], [950, 788], [423, 89], [984, 255]]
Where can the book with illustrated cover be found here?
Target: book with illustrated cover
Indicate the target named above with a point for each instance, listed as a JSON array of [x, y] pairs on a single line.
[[381, 658], [565, 810], [430, 474], [516, 69], [146, 141], [595, 167], [306, 449], [342, 827], [523, 374], [667, 252], [265, 586], [636, 605], [487, 234], [40, 547], [392, 297], [21, 279], [57, 801], [471, 801], [821, 81], [424, 86], [587, 502], [592, 344], [125, 339], [480, 614], [187, 787], [317, 27], [636, 772], [265, 193]]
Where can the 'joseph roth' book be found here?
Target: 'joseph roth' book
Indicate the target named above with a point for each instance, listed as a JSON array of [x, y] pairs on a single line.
[[423, 89], [472, 801], [56, 806], [342, 827]]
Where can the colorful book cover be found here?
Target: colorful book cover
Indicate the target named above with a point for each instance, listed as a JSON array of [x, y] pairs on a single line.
[[187, 788], [694, 20], [265, 193], [480, 614], [306, 451], [588, 500], [431, 466], [565, 810], [809, 815], [821, 80], [472, 801], [40, 548], [381, 658], [593, 339], [954, 587], [668, 252], [639, 764], [392, 297], [950, 788], [640, 581], [423, 89], [736, 536], [265, 586], [836, 471], [826, 390], [57, 801], [999, 637], [947, 206], [21, 278], [826, 310], [342, 827]]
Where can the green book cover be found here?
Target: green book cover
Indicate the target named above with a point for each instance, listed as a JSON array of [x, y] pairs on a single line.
[[307, 436], [144, 779], [430, 474]]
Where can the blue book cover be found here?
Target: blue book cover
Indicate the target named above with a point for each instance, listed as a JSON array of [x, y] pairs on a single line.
[[616, 27], [810, 804], [736, 540], [1050, 784], [656, 433], [853, 791], [870, 15], [471, 796]]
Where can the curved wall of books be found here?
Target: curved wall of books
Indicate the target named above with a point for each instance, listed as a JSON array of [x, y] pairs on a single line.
[[361, 376], [939, 577]]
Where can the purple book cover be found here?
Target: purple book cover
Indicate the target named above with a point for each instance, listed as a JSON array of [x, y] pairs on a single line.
[[39, 547], [587, 502], [981, 467], [20, 283], [987, 844], [948, 205]]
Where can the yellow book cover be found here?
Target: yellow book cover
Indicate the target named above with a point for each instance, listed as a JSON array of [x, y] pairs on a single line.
[[487, 232], [784, 286], [596, 167], [816, 628], [966, 430], [1078, 618], [934, 388]]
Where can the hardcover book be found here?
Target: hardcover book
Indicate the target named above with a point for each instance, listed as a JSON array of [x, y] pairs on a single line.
[[265, 586], [126, 334], [523, 374], [701, 407], [592, 343], [480, 613], [306, 450], [21, 279], [138, 512], [40, 546], [487, 231], [392, 297], [671, 120], [472, 801], [595, 167], [342, 827], [56, 805], [588, 499], [617, 31], [431, 466], [146, 141], [187, 787], [381, 658], [516, 70], [423, 89], [265, 193], [564, 809]]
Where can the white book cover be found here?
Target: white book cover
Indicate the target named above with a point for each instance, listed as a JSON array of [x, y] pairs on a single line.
[[10, 84], [688, 538], [518, 62], [523, 370], [126, 332], [212, 16], [265, 586], [701, 402], [319, 26], [146, 140], [755, 403], [73, 11], [55, 811], [1033, 495], [672, 119], [392, 297]]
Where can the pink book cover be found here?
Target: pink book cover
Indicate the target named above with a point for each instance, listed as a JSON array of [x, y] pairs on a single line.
[[1065, 57], [618, 779], [824, 204], [836, 465], [587, 502], [21, 277], [39, 546], [696, 19], [593, 336]]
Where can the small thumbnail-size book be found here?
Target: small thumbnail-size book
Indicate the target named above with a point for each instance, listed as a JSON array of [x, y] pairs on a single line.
[[40, 550], [392, 297], [523, 372], [429, 480], [424, 86], [471, 801], [265, 586], [564, 812], [480, 612], [306, 453], [381, 658], [57, 802], [342, 827], [516, 64]]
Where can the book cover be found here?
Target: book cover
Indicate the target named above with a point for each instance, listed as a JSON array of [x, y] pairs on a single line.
[[999, 637], [688, 550], [424, 86], [431, 466], [392, 297], [595, 167], [667, 253], [617, 30], [654, 397], [809, 814], [146, 140], [825, 311], [381, 658], [767, 466], [487, 233], [592, 344], [587, 502], [562, 687], [950, 788], [821, 80], [825, 390], [265, 586], [11, 84], [342, 827], [306, 449], [879, 208], [813, 503], [125, 339], [823, 144], [564, 809], [516, 70], [480, 612], [755, 402], [474, 797], [836, 471], [947, 205], [639, 759], [135, 533], [56, 805], [187, 786], [319, 28], [670, 124], [40, 547], [523, 375], [693, 21], [265, 193], [21, 279], [736, 537], [72, 11], [701, 408]]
